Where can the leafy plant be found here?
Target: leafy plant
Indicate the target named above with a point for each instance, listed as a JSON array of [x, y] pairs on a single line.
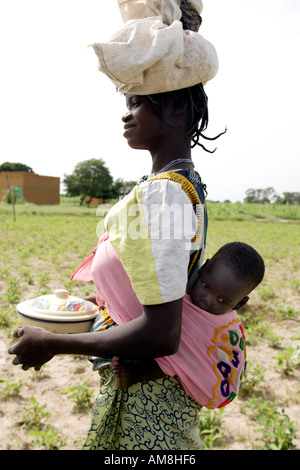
[[288, 313], [26, 273], [266, 293], [49, 439], [273, 340], [295, 284], [285, 361], [256, 328], [35, 415], [253, 377], [10, 389], [210, 427], [13, 290], [81, 395], [43, 279], [5, 320], [276, 429]]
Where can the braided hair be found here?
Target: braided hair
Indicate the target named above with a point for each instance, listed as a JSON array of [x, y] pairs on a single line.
[[190, 19], [195, 95], [197, 120]]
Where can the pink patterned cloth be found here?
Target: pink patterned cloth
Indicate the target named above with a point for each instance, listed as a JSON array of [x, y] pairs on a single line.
[[211, 358]]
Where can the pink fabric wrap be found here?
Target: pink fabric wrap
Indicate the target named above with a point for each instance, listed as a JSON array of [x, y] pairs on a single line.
[[211, 358]]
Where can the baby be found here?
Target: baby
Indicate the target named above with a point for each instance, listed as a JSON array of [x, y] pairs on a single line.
[[222, 286]]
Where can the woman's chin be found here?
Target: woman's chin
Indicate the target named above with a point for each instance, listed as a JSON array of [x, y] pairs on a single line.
[[135, 145]]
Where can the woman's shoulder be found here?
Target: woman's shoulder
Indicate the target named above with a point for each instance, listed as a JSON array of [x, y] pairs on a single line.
[[162, 192], [172, 180], [176, 176], [176, 186]]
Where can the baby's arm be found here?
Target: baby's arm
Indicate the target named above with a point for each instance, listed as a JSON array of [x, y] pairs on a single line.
[[131, 372]]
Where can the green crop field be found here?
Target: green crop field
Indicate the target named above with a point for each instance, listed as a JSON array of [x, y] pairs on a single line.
[[39, 251]]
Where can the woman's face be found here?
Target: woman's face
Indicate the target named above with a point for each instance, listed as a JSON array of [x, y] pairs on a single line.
[[143, 129]]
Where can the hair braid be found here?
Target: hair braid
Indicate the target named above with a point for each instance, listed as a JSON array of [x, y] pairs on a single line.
[[190, 19], [195, 95]]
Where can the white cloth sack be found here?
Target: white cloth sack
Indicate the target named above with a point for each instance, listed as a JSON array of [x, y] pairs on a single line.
[[169, 10], [148, 56]]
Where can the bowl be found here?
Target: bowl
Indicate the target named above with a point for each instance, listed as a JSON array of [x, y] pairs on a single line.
[[58, 313]]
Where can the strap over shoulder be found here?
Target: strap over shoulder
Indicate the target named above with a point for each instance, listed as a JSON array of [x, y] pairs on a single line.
[[186, 185], [191, 192]]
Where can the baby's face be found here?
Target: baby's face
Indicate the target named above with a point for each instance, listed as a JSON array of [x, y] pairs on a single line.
[[217, 289]]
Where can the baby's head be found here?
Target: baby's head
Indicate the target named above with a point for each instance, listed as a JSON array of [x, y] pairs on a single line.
[[225, 281]]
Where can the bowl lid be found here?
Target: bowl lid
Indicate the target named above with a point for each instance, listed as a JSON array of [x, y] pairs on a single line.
[[58, 307]]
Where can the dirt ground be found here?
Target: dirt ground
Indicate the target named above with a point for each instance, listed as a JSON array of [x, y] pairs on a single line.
[[64, 372], [71, 425]]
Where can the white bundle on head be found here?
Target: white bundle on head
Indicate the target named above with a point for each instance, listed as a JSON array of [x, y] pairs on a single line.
[[152, 53], [169, 10]]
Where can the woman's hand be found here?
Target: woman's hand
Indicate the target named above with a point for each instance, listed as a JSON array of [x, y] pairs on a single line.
[[32, 348]]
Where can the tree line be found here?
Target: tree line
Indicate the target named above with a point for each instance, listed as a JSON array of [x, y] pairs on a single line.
[[7, 166], [93, 178], [269, 195]]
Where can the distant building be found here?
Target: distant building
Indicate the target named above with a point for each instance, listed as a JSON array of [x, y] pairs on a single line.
[[32, 187]]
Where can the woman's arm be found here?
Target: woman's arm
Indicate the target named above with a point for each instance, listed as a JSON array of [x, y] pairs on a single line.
[[155, 333]]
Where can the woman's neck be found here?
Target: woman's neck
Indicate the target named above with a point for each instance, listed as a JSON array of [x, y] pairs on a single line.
[[179, 156], [178, 163]]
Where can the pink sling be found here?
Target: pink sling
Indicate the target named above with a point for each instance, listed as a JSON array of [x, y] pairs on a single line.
[[211, 358]]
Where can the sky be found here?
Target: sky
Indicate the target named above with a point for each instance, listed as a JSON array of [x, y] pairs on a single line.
[[57, 109]]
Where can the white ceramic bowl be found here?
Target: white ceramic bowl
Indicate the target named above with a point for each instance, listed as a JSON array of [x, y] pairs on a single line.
[[58, 312]]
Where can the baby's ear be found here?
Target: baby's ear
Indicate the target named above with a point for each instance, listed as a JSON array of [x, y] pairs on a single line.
[[241, 303], [204, 265]]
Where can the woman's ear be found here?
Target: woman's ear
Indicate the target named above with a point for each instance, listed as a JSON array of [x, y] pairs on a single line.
[[241, 303], [179, 105]]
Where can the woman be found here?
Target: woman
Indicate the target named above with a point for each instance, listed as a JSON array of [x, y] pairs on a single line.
[[143, 266]]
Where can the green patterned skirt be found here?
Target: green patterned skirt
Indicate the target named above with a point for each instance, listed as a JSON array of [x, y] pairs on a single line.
[[154, 415]]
